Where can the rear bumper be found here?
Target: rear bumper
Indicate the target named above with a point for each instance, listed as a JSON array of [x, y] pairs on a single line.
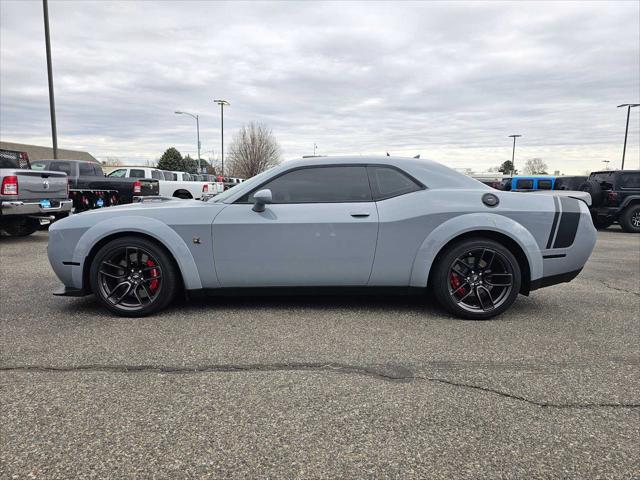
[[553, 280], [19, 207]]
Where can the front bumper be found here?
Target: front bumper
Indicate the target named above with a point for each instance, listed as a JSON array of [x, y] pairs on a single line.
[[19, 207]]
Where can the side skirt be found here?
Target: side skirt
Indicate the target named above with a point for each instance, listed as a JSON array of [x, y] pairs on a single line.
[[302, 291]]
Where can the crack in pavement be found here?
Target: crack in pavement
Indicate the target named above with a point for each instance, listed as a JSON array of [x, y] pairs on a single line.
[[386, 372], [617, 289]]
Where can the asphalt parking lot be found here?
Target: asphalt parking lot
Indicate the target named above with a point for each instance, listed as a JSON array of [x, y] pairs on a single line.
[[322, 387]]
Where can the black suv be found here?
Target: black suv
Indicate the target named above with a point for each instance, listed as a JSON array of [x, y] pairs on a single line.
[[615, 196]]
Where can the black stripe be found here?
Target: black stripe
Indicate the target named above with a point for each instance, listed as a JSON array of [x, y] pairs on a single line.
[[568, 223], [559, 255], [555, 222], [71, 263]]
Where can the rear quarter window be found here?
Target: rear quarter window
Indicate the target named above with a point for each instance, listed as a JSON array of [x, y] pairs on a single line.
[[389, 182], [544, 184]]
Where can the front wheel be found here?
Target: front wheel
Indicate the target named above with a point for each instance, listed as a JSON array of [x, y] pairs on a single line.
[[630, 219], [476, 279], [133, 277]]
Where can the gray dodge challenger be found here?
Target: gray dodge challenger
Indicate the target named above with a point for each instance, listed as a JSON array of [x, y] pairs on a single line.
[[329, 224]]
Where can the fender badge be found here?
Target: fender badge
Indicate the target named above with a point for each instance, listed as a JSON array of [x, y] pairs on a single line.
[[196, 240], [490, 200]]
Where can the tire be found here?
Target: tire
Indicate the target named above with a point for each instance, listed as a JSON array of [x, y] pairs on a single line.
[[182, 194], [487, 263], [594, 189], [601, 223], [135, 264], [630, 219], [22, 228]]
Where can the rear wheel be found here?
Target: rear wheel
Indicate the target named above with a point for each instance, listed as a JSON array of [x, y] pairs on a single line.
[[476, 279], [133, 277], [630, 219], [21, 228]]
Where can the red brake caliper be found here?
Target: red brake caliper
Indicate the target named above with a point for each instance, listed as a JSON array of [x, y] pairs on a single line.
[[454, 280], [154, 273]]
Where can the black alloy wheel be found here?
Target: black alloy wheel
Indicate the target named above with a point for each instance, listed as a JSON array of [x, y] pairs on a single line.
[[477, 279], [133, 277]]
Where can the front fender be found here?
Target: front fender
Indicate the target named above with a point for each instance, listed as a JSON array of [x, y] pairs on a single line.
[[145, 225], [470, 222]]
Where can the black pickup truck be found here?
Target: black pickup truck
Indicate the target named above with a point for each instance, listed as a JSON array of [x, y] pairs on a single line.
[[89, 188], [615, 197]]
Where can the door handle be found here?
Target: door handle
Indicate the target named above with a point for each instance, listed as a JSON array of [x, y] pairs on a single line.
[[359, 215]]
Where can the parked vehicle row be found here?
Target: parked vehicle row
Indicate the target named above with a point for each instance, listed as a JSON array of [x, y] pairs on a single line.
[[172, 184]]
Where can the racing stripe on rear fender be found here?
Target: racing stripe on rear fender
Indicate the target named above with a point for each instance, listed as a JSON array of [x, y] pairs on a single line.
[[555, 222], [568, 223]]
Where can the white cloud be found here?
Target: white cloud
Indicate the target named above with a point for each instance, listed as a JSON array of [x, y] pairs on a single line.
[[447, 80]]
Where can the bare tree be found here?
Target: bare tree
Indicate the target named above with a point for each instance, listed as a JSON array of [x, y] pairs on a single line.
[[113, 161], [535, 166], [253, 150]]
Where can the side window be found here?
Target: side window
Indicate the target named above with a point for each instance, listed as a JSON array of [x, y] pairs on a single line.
[[85, 169], [136, 173], [61, 167], [97, 170], [39, 166], [544, 184], [319, 185], [157, 174], [630, 180], [389, 182], [524, 184], [119, 173]]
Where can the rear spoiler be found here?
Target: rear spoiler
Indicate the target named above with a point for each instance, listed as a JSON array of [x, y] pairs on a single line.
[[578, 195]]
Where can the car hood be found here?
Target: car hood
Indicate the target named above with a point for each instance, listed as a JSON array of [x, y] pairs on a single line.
[[171, 212]]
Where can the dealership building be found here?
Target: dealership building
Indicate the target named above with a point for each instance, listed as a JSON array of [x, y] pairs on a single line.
[[37, 152]]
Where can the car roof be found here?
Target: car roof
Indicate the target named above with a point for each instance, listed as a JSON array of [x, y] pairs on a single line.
[[429, 173]]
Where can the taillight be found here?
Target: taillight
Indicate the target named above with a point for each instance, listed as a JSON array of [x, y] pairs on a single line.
[[9, 185], [205, 188], [612, 197], [137, 187], [68, 186]]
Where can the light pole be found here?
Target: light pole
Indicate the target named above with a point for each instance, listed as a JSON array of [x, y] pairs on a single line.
[[513, 154], [197, 132], [52, 102], [626, 131], [314, 149], [606, 164], [222, 103]]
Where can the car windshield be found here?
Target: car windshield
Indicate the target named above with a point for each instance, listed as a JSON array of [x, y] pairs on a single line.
[[250, 183]]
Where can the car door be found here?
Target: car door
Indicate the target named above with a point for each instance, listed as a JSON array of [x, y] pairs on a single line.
[[320, 230]]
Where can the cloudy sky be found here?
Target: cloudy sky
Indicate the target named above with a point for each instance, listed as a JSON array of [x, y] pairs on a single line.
[[447, 80]]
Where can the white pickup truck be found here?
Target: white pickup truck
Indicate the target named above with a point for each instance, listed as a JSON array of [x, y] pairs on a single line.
[[173, 184]]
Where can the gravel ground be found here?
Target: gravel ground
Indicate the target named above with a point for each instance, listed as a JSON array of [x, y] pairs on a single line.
[[322, 387]]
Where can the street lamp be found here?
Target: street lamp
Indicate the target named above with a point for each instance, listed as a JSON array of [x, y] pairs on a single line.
[[222, 103], [626, 131], [52, 102], [314, 149], [513, 153], [197, 132]]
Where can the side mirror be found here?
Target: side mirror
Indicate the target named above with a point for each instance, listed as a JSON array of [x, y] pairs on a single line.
[[261, 198]]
